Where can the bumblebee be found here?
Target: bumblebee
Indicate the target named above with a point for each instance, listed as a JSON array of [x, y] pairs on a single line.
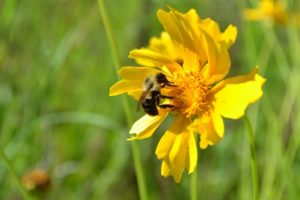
[[151, 95]]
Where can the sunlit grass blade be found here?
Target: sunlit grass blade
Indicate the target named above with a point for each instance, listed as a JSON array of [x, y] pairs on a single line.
[[290, 117], [251, 141], [193, 187], [134, 147], [51, 119], [10, 168]]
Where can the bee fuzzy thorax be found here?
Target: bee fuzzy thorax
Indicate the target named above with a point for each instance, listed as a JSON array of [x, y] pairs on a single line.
[[150, 98], [151, 83]]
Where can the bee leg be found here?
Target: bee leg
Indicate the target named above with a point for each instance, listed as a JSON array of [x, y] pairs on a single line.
[[171, 84], [166, 106], [166, 97], [168, 84], [157, 99]]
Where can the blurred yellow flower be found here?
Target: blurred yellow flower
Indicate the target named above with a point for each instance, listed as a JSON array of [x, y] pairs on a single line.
[[37, 179], [192, 58], [274, 11]]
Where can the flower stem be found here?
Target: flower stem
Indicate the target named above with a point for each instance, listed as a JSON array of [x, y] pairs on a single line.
[[193, 186], [134, 147], [139, 171], [8, 164], [251, 141]]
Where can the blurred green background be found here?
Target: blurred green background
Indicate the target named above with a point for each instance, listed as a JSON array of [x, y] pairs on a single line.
[[55, 113]]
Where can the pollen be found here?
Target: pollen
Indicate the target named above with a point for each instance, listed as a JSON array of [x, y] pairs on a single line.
[[190, 94]]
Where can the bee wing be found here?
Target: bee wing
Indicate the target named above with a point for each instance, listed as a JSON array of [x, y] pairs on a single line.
[[143, 96]]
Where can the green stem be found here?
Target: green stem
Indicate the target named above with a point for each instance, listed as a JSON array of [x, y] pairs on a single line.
[[253, 158], [109, 33], [139, 171], [193, 186], [134, 147], [8, 164]]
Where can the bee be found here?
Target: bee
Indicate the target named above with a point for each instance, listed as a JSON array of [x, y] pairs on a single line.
[[151, 95]]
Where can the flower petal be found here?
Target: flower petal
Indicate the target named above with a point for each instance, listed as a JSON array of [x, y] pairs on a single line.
[[229, 35], [177, 149], [132, 82], [165, 144], [136, 94], [212, 28], [125, 86], [163, 45], [150, 58], [253, 14], [183, 28], [160, 52], [193, 154], [211, 129], [145, 126], [191, 61], [233, 95], [167, 140], [178, 156], [218, 61], [165, 170], [136, 73], [218, 123]]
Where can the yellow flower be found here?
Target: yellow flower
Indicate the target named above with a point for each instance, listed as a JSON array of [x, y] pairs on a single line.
[[193, 55], [271, 10], [36, 180]]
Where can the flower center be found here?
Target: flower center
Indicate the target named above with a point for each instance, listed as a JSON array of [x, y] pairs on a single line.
[[190, 94]]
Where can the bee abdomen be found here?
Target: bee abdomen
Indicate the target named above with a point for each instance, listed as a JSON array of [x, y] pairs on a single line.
[[149, 106]]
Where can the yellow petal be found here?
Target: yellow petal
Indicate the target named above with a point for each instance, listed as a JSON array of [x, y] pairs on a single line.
[[253, 14], [167, 140], [136, 94], [177, 149], [212, 28], [165, 170], [178, 156], [132, 82], [186, 157], [125, 86], [193, 154], [229, 35], [164, 145], [136, 73], [163, 45], [211, 129], [191, 61], [233, 95], [145, 126], [218, 123], [151, 58], [183, 28], [199, 127], [218, 61]]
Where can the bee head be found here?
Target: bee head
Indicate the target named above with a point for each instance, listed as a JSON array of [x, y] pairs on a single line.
[[161, 78]]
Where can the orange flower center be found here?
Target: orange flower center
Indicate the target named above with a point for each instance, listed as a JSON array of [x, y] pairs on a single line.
[[190, 94]]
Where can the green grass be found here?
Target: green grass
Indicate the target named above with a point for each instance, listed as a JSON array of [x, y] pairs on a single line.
[[56, 69]]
